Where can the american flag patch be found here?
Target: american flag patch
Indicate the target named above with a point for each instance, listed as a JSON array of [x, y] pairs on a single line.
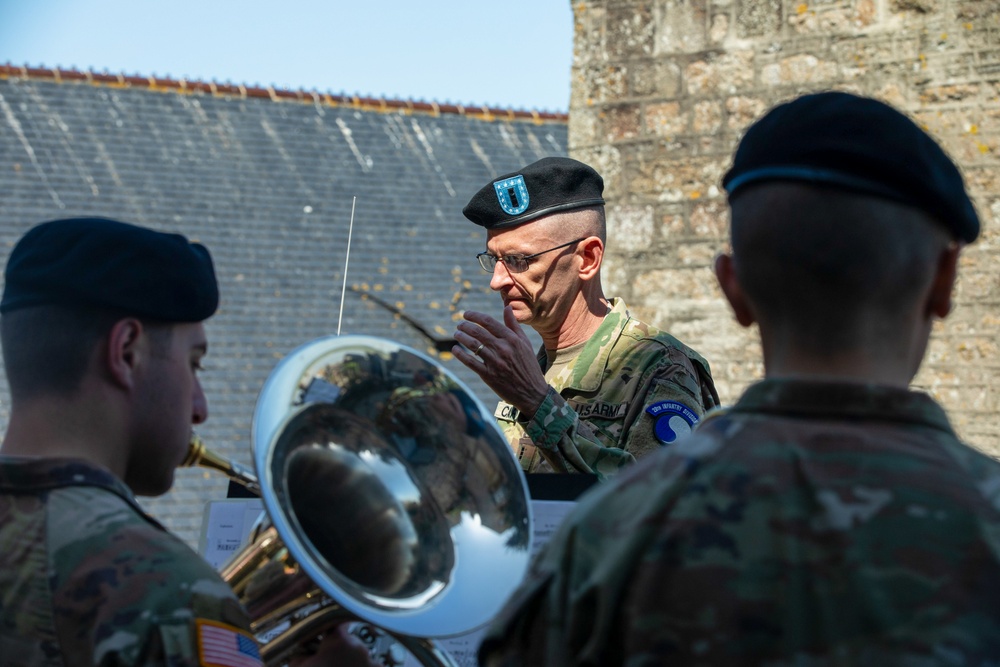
[[221, 645]]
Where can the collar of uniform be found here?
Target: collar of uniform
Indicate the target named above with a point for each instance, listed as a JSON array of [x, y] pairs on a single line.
[[598, 348], [838, 400], [31, 475]]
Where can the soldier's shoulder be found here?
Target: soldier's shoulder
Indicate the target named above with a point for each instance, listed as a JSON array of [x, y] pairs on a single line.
[[135, 580], [981, 469], [26, 475], [640, 340], [714, 416], [85, 513], [650, 335], [97, 531]]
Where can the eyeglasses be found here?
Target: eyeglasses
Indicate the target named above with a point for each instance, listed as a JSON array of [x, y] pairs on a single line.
[[514, 263]]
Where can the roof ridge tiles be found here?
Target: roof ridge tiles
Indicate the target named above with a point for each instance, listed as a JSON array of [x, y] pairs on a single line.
[[185, 86]]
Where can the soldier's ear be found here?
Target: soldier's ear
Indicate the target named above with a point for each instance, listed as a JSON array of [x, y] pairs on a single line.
[[591, 252], [939, 295], [725, 273], [122, 349]]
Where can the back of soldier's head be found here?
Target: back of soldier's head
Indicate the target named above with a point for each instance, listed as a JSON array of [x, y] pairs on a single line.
[[67, 281], [840, 208]]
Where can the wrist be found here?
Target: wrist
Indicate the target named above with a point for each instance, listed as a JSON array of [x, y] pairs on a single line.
[[530, 407]]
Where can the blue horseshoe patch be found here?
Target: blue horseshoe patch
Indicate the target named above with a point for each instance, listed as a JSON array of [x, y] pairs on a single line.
[[673, 420], [512, 194]]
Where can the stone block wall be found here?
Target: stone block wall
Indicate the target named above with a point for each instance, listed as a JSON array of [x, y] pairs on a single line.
[[663, 89]]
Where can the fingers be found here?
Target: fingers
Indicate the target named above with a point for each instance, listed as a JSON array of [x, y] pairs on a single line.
[[511, 321], [468, 349], [479, 328], [471, 361], [485, 341], [473, 344], [474, 339], [495, 327]]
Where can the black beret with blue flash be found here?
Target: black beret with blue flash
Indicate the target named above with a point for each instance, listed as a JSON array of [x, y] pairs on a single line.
[[550, 185]]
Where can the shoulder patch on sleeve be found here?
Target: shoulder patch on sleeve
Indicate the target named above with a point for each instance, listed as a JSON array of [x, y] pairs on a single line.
[[221, 645], [673, 420]]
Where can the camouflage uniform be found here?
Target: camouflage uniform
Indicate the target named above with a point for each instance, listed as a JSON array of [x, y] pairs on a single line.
[[812, 524], [632, 389], [86, 578]]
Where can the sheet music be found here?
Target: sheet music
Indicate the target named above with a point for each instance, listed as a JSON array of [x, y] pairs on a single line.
[[227, 527]]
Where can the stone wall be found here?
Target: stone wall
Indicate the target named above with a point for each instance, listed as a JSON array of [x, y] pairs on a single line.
[[662, 90]]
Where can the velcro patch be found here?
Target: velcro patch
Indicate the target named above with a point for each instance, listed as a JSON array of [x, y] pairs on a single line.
[[673, 420], [506, 412], [221, 645], [599, 409]]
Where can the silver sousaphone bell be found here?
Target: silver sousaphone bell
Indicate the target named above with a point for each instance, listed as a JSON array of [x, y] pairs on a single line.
[[392, 498]]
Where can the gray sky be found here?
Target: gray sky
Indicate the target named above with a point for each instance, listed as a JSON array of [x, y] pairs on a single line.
[[510, 54]]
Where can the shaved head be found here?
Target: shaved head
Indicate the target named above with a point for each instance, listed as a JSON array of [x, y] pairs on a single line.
[[579, 223], [831, 266]]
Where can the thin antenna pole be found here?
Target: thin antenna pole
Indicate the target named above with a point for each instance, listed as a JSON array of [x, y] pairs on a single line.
[[347, 260]]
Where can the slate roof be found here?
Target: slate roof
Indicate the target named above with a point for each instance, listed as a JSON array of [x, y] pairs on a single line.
[[266, 179]]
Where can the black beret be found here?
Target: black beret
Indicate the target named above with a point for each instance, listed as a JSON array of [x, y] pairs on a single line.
[[111, 264], [551, 185], [859, 144]]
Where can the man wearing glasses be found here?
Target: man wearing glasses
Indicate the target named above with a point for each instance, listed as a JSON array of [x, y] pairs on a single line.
[[605, 388]]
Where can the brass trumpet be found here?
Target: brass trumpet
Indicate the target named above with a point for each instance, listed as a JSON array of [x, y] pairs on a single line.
[[199, 456], [392, 499]]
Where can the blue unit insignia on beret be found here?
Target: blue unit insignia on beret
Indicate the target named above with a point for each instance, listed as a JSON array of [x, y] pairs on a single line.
[[513, 195], [673, 420]]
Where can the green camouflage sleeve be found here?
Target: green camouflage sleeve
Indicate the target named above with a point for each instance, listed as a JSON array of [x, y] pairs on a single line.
[[568, 443]]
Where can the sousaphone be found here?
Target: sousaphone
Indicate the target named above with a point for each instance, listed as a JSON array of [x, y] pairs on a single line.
[[391, 496]]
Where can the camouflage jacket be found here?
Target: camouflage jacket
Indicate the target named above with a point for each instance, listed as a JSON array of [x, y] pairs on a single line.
[[87, 578], [632, 389], [812, 524]]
